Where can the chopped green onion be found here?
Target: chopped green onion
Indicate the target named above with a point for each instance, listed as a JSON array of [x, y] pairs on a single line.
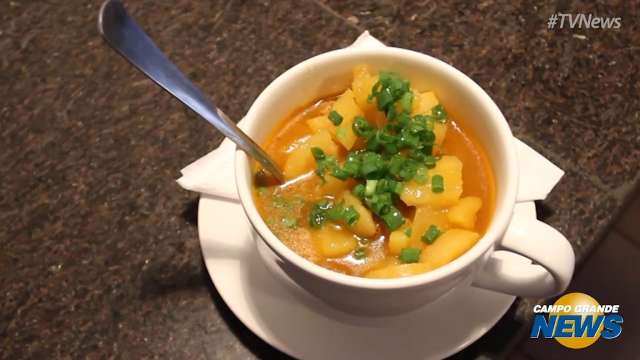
[[327, 210], [370, 188], [352, 164], [393, 218], [402, 167], [339, 173], [281, 202], [388, 185], [437, 184], [326, 163], [408, 139], [417, 155], [361, 127], [425, 120], [408, 170], [391, 113], [431, 234], [421, 175], [398, 188], [381, 138], [350, 215], [323, 161], [358, 191], [408, 232], [373, 165], [318, 154], [428, 137], [335, 118], [290, 222], [439, 113], [318, 215], [399, 151], [385, 99], [389, 89], [430, 161], [406, 101], [409, 255], [401, 120], [379, 203], [395, 164]]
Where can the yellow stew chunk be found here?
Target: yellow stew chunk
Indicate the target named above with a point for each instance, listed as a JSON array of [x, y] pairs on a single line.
[[382, 181]]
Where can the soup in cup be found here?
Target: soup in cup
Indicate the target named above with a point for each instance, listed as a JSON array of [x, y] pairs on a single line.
[[402, 180]]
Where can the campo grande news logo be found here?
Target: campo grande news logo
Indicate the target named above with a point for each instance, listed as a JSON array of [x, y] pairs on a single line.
[[576, 321]]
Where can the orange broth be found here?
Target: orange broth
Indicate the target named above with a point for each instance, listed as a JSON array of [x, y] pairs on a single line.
[[294, 199]]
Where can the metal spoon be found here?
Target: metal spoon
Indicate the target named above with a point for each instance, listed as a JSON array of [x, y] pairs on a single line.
[[128, 38]]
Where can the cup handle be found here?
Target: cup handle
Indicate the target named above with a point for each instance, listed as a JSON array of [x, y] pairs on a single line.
[[552, 256]]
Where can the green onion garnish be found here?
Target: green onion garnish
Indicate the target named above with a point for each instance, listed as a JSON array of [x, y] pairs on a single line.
[[437, 184], [327, 210], [373, 165], [421, 175], [408, 231], [400, 151], [339, 173], [430, 161], [439, 113], [318, 214], [389, 89], [350, 215], [406, 101], [431, 234], [352, 164], [393, 218], [358, 191], [370, 188], [324, 162], [424, 120], [318, 154], [409, 255], [389, 185], [402, 167], [379, 203], [290, 222], [361, 127], [335, 118]]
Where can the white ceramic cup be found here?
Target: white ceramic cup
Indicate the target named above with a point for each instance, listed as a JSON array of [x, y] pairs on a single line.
[[330, 73]]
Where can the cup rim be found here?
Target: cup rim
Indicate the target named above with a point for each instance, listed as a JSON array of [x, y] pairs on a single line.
[[502, 213]]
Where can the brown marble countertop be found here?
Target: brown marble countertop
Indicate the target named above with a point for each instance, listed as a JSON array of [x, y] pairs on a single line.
[[100, 255]]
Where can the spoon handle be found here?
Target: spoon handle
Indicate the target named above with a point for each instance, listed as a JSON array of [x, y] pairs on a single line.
[[128, 38]]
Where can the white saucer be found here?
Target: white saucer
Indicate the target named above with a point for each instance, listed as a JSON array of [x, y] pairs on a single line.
[[293, 321]]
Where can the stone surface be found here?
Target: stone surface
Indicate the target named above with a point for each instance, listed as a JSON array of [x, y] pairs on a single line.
[[100, 254]]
